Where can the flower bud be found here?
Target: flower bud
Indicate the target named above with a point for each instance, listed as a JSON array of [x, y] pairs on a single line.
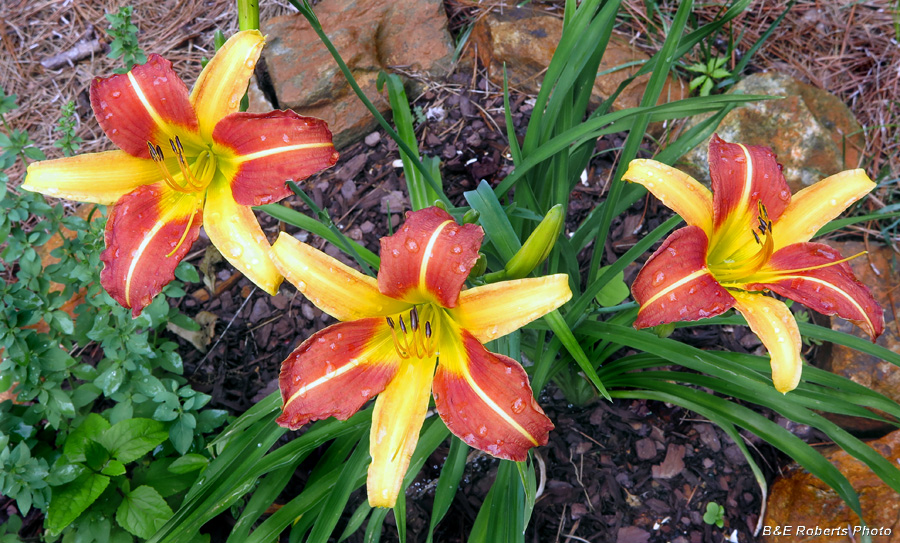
[[537, 247], [471, 217]]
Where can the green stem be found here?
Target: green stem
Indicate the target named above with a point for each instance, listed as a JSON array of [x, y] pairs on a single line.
[[248, 14]]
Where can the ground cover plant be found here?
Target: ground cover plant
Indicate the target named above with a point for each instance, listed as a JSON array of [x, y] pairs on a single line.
[[109, 440]]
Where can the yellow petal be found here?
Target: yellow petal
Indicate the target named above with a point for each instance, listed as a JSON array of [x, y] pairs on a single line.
[[223, 81], [332, 286], [492, 311], [676, 190], [396, 422], [816, 205], [101, 178], [774, 323], [235, 232]]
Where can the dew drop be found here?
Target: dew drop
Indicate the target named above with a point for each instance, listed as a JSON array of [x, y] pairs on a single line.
[[116, 94], [285, 138], [395, 252], [658, 279], [411, 245], [518, 406], [301, 286], [482, 431], [456, 249], [262, 138], [235, 250]]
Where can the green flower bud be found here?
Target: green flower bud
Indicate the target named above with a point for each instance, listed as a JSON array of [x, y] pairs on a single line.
[[664, 330], [537, 247], [471, 217]]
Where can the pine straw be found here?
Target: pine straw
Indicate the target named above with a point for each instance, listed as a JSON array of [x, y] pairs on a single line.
[[31, 31], [849, 48]]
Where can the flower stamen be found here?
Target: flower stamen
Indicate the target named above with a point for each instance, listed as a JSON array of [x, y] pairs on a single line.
[[189, 177], [159, 159], [417, 341]]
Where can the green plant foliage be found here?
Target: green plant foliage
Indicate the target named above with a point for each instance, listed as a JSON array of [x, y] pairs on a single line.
[[101, 408], [715, 514], [709, 72], [124, 38], [68, 142]]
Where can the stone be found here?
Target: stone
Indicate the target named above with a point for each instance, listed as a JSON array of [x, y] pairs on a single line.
[[371, 36], [373, 139], [645, 448], [859, 367], [797, 498], [526, 39], [811, 131]]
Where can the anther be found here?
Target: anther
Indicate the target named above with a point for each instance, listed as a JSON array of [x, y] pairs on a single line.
[[756, 236], [414, 319], [390, 322], [427, 329], [402, 325]]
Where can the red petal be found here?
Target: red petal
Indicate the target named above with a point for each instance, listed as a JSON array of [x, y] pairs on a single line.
[[270, 148], [485, 400], [732, 167], [675, 284], [149, 105], [429, 259], [831, 290], [143, 227], [336, 371]]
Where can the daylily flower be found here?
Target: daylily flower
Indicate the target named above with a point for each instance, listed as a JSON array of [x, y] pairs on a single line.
[[397, 328], [746, 237], [184, 156]]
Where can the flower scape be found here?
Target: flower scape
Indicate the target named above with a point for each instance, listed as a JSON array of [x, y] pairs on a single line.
[[184, 156], [397, 329], [747, 237]]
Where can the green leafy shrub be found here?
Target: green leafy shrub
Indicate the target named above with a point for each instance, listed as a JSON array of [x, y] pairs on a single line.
[[101, 431]]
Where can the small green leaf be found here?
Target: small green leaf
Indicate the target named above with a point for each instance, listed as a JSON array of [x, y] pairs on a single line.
[[131, 439], [187, 273], [71, 499], [181, 433], [614, 292], [113, 468], [143, 511]]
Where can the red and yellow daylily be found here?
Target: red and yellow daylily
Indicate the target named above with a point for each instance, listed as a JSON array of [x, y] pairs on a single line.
[[747, 237], [408, 334], [184, 157]]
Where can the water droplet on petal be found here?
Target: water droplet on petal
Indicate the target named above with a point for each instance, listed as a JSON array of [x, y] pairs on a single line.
[[518, 406]]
